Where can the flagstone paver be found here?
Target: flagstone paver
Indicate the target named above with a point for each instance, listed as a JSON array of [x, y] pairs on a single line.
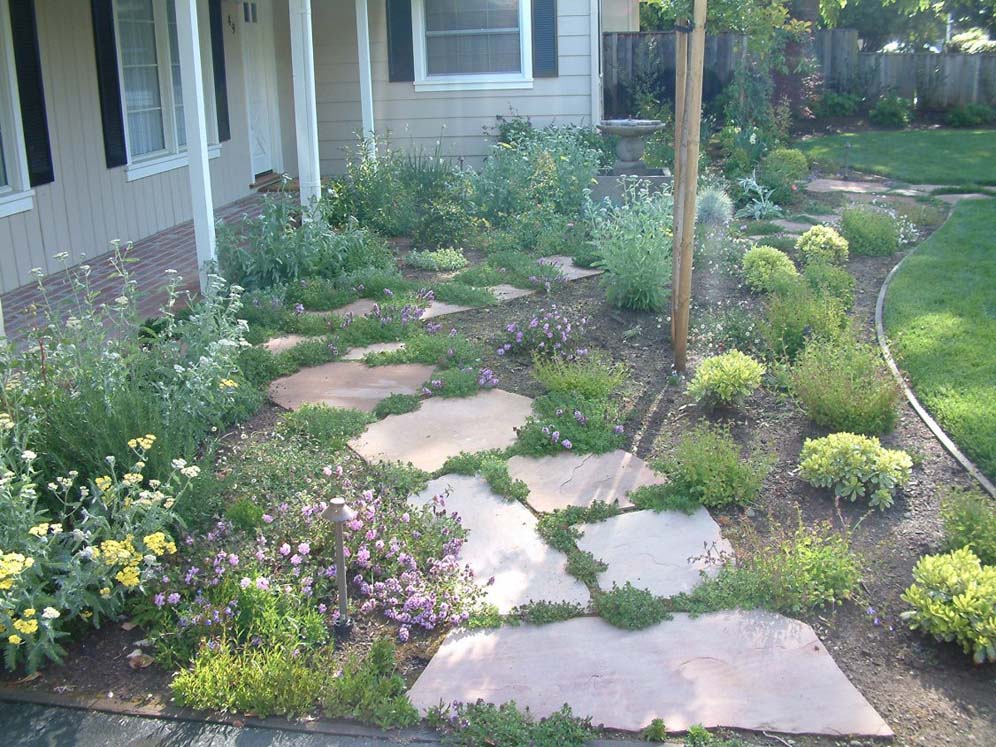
[[843, 185], [502, 544], [359, 307], [505, 292], [439, 308], [580, 479], [358, 354], [749, 670], [663, 552], [284, 342], [570, 270], [442, 428], [955, 199], [348, 385], [790, 226]]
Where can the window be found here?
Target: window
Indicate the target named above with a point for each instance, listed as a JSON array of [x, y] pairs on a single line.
[[472, 44], [151, 87], [16, 195]]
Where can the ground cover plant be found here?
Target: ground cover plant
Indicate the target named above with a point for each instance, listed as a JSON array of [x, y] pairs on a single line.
[[938, 316], [929, 156]]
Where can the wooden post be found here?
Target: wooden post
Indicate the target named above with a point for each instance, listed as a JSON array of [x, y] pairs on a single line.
[[680, 81], [685, 197]]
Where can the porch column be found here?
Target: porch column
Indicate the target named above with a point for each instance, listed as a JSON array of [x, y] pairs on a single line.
[[3, 330], [305, 107], [366, 77], [595, 47], [195, 124]]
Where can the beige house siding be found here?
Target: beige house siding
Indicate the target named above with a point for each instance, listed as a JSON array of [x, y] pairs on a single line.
[[89, 205], [455, 119]]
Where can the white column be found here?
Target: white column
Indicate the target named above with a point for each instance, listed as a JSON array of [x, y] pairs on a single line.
[[3, 330], [192, 80], [366, 77], [305, 107], [595, 47]]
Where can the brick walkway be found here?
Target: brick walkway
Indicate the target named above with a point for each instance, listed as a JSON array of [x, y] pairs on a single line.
[[172, 249]]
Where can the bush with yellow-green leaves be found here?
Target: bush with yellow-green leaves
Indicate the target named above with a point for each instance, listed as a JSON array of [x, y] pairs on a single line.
[[822, 244], [726, 379], [82, 565], [766, 268], [855, 467]]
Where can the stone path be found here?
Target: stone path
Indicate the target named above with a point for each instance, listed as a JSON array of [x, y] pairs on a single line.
[[845, 185], [348, 384], [442, 428], [749, 670], [569, 269], [685, 670], [664, 552], [503, 545], [581, 479]]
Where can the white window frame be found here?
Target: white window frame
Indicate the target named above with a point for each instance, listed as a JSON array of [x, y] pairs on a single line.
[[16, 196], [473, 81], [173, 156]]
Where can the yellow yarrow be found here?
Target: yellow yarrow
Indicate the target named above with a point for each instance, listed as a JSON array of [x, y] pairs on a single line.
[[142, 442], [159, 544], [29, 612], [118, 553], [15, 640], [39, 530], [102, 483], [128, 577], [105, 592], [228, 384], [6, 422], [11, 565], [132, 478], [27, 627]]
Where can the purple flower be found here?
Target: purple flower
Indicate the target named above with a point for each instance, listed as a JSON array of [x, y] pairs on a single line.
[[159, 599], [389, 293], [299, 308], [245, 582], [285, 549], [618, 429], [566, 443], [262, 583], [173, 598], [304, 548], [267, 519]]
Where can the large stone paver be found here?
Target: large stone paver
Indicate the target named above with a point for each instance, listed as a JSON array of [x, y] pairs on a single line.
[[506, 292], [359, 307], [284, 342], [570, 270], [749, 670], [843, 185], [580, 479], [440, 308], [348, 385], [502, 544], [442, 428], [662, 552]]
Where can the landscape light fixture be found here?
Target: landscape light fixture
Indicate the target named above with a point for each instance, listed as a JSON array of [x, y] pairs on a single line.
[[339, 513]]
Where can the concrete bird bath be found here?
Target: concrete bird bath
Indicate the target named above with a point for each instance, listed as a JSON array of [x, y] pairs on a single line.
[[632, 134]]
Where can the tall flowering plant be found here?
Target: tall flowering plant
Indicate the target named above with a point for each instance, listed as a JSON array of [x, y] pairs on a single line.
[[83, 564]]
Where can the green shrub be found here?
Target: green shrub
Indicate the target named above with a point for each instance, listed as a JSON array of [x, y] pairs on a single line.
[[545, 613], [891, 111], [970, 115], [765, 268], [970, 521], [795, 315], [397, 404], [780, 169], [829, 280], [592, 376], [656, 731], [953, 597], [707, 467], [869, 232], [245, 515], [630, 608], [843, 385], [835, 104], [713, 208], [855, 467], [822, 244], [324, 426], [480, 723], [370, 689], [634, 241], [438, 260], [726, 379]]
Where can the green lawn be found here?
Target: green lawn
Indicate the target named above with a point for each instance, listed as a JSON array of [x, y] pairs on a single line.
[[940, 315], [914, 156]]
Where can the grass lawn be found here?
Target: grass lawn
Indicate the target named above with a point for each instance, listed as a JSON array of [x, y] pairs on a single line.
[[914, 156], [940, 315]]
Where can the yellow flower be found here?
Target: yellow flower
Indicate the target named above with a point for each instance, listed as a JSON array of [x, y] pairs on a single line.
[[6, 423], [29, 612], [118, 553], [128, 577], [132, 478], [86, 614], [159, 544], [14, 640], [228, 384], [102, 483], [26, 626], [39, 530], [105, 592]]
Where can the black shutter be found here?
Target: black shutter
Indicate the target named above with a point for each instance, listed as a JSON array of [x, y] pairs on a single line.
[[218, 63], [545, 38], [400, 51], [108, 85], [27, 60]]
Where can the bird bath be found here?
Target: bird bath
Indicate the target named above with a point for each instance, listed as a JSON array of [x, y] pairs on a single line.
[[632, 134]]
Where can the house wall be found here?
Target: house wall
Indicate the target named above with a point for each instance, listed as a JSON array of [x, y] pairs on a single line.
[[89, 205], [457, 120]]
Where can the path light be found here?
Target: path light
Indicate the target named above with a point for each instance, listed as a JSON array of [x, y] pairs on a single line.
[[847, 160], [339, 513]]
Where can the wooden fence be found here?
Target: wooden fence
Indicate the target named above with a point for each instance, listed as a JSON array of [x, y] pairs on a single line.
[[644, 62]]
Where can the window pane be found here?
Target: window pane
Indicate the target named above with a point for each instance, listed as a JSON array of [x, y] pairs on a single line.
[[475, 53], [140, 67], [174, 54], [464, 15]]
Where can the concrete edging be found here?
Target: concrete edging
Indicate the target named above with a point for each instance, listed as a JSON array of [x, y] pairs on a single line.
[[925, 416]]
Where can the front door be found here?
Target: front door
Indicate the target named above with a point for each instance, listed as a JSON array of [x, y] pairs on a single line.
[[261, 86]]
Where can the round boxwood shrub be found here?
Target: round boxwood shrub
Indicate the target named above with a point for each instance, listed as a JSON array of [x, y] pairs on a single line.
[[869, 232], [779, 171], [844, 385], [822, 244], [766, 268], [725, 379], [953, 597], [855, 467]]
